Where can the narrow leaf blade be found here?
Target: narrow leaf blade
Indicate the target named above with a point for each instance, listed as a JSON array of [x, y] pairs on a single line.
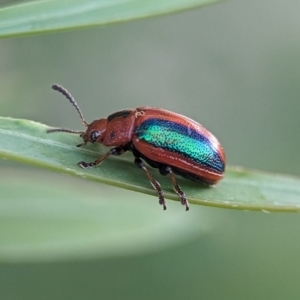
[[46, 16], [27, 141]]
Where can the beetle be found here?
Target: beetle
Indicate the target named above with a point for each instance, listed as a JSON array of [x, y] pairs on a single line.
[[171, 142]]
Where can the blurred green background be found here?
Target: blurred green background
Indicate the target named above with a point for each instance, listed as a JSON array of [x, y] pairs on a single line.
[[235, 68]]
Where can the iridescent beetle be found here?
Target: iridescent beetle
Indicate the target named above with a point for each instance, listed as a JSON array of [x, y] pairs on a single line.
[[165, 140]]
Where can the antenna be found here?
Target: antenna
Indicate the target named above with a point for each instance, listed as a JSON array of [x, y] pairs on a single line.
[[64, 130], [68, 95]]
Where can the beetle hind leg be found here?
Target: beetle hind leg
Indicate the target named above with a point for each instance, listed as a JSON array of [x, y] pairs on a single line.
[[168, 170], [153, 182]]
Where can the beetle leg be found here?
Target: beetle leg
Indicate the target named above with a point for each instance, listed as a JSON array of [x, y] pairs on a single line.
[[153, 182], [113, 151], [177, 188]]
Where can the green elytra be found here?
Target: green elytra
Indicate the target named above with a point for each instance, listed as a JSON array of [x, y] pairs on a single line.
[[178, 138]]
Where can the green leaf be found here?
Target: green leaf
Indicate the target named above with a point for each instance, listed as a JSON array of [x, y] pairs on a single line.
[[46, 16], [28, 142]]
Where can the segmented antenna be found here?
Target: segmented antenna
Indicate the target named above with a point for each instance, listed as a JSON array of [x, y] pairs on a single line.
[[64, 130], [68, 95]]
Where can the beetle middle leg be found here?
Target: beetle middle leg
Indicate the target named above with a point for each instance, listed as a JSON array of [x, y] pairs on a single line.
[[113, 151], [164, 170], [153, 182]]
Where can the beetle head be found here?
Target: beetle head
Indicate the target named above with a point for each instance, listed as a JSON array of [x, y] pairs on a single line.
[[94, 131]]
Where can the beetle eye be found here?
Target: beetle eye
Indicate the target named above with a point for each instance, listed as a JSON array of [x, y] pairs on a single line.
[[94, 135]]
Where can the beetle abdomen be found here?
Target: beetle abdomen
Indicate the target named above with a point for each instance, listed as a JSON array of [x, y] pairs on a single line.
[[182, 146]]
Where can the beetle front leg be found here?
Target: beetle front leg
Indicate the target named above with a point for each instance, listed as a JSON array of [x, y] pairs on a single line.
[[168, 170], [113, 151], [153, 182]]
